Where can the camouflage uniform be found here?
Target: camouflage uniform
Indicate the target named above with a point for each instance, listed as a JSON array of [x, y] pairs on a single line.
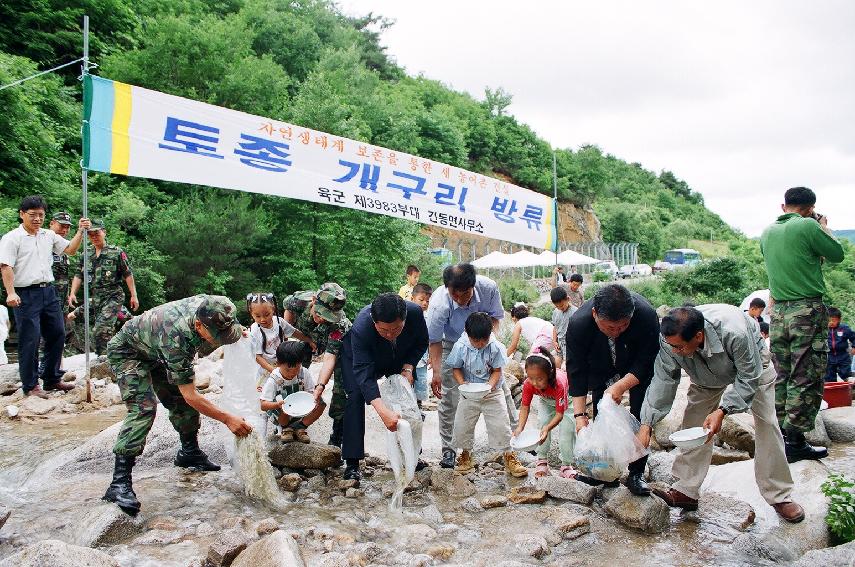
[[74, 330], [327, 336], [799, 346], [60, 264], [152, 355], [107, 271]]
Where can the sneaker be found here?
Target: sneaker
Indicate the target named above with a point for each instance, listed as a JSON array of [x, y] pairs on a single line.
[[464, 462], [513, 466], [302, 435], [448, 456], [287, 435]]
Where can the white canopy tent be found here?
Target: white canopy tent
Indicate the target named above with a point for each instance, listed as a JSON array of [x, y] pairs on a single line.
[[568, 257], [494, 260]]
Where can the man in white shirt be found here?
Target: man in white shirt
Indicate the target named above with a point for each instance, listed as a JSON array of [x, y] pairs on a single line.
[[26, 264]]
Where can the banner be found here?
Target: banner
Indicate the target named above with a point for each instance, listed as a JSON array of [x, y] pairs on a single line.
[[143, 133]]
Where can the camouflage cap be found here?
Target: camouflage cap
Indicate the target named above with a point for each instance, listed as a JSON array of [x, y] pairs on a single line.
[[329, 302], [97, 224], [61, 217], [217, 314]]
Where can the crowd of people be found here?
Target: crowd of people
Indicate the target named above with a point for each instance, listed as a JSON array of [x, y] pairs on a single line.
[[612, 345]]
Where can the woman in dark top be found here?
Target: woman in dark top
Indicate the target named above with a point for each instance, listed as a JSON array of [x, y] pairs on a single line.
[[612, 342], [388, 337]]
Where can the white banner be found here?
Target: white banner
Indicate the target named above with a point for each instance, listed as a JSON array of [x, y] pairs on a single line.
[[143, 133]]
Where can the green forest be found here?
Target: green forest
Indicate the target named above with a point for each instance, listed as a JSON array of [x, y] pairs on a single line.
[[304, 62]]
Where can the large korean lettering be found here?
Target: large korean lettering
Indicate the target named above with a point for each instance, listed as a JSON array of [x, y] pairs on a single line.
[[186, 136], [370, 174]]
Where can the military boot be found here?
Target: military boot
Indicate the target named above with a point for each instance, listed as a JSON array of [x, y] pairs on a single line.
[[191, 456], [337, 431], [120, 490], [797, 448]]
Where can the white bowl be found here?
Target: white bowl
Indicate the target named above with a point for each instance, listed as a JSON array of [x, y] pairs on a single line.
[[526, 441], [299, 404], [689, 438], [474, 391]]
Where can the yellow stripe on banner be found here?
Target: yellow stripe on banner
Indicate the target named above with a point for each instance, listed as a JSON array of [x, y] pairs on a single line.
[[121, 123]]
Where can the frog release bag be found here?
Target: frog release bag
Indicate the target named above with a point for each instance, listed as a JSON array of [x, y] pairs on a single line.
[[605, 448], [402, 445]]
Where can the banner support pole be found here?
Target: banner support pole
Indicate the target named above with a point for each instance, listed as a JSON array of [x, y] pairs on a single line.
[[555, 201], [85, 179]]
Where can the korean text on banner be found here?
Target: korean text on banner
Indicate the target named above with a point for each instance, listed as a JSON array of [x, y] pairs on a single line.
[[142, 133]]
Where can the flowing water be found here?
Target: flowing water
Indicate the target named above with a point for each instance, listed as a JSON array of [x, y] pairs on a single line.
[[203, 504]]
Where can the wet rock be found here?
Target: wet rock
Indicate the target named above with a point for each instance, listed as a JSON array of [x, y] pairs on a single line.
[[266, 526], [333, 559], [240, 522], [770, 546], [526, 495], [275, 550], [162, 523], [10, 379], [205, 529], [316, 482], [420, 560], [440, 479], [840, 424], [646, 513], [226, 547], [737, 430], [441, 552], [569, 523], [838, 556], [818, 435], [471, 505], [55, 553], [432, 514], [353, 493], [99, 369], [160, 537], [416, 533], [349, 483], [721, 517], [722, 456], [5, 512], [495, 501], [674, 420], [659, 465], [305, 456], [290, 482], [106, 524], [461, 487], [531, 545], [566, 489], [34, 405]]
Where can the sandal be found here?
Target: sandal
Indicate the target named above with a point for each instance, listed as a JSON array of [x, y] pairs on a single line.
[[541, 468], [567, 471]]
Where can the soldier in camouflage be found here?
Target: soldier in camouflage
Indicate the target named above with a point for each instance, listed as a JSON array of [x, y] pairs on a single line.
[[152, 356], [319, 315], [108, 266], [60, 223], [74, 335]]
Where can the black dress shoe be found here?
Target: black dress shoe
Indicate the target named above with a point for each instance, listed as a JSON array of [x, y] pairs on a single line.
[[595, 482], [351, 472], [635, 483], [448, 458], [798, 449], [421, 465]]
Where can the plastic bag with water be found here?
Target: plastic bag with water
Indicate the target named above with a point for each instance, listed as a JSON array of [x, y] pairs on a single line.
[[404, 444], [605, 448]]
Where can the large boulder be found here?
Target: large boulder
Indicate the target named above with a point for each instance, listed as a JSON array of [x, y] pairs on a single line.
[[838, 556], [659, 464], [566, 489], [106, 524], [818, 436], [226, 547], [674, 420], [34, 405], [737, 431], [276, 550], [649, 514], [721, 518], [55, 553], [305, 456], [722, 456], [10, 379], [840, 424]]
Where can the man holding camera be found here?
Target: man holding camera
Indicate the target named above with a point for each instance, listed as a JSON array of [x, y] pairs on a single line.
[[794, 248]]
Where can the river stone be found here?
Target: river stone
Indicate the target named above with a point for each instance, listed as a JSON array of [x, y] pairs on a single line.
[[275, 550], [290, 482], [34, 405], [226, 547], [673, 421], [305, 456], [494, 501], [646, 513], [818, 436], [566, 489], [722, 456], [55, 553], [659, 465], [266, 526], [840, 424], [531, 544], [515, 369], [838, 556], [737, 430], [569, 523], [106, 524], [722, 517], [99, 369], [526, 495], [461, 487]]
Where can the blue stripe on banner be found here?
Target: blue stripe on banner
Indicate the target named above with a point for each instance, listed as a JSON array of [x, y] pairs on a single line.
[[101, 125]]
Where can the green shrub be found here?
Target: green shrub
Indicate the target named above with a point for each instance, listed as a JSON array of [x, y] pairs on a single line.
[[544, 311], [601, 277], [514, 290], [841, 506]]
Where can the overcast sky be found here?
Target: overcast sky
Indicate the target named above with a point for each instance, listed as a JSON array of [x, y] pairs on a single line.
[[740, 99]]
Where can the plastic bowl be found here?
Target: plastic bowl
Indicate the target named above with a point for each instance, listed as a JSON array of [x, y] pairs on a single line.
[[299, 404], [474, 391], [689, 438], [528, 440]]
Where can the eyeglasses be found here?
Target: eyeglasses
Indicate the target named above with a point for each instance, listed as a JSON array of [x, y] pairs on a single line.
[[260, 297], [36, 215]]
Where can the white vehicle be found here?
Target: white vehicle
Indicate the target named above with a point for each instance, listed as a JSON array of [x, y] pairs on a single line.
[[635, 271], [662, 266], [609, 268]]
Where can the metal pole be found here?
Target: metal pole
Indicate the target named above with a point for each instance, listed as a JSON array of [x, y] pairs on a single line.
[[85, 173], [555, 201]]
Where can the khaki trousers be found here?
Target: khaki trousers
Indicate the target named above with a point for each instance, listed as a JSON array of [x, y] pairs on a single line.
[[493, 408], [771, 471]]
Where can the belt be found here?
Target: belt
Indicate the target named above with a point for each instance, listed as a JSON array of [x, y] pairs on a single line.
[[34, 286], [800, 300]]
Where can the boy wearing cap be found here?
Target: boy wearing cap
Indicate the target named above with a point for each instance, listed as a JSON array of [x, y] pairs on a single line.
[[319, 315], [152, 356], [108, 266]]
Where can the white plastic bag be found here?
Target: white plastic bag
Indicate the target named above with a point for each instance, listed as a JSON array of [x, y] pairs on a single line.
[[403, 445], [608, 444], [240, 396]]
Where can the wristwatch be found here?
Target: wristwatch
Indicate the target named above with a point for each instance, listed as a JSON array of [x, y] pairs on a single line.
[[723, 410], [583, 414]]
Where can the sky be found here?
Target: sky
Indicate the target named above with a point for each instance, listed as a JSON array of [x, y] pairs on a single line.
[[742, 100]]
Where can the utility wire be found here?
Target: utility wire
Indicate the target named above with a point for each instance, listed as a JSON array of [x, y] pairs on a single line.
[[41, 73]]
